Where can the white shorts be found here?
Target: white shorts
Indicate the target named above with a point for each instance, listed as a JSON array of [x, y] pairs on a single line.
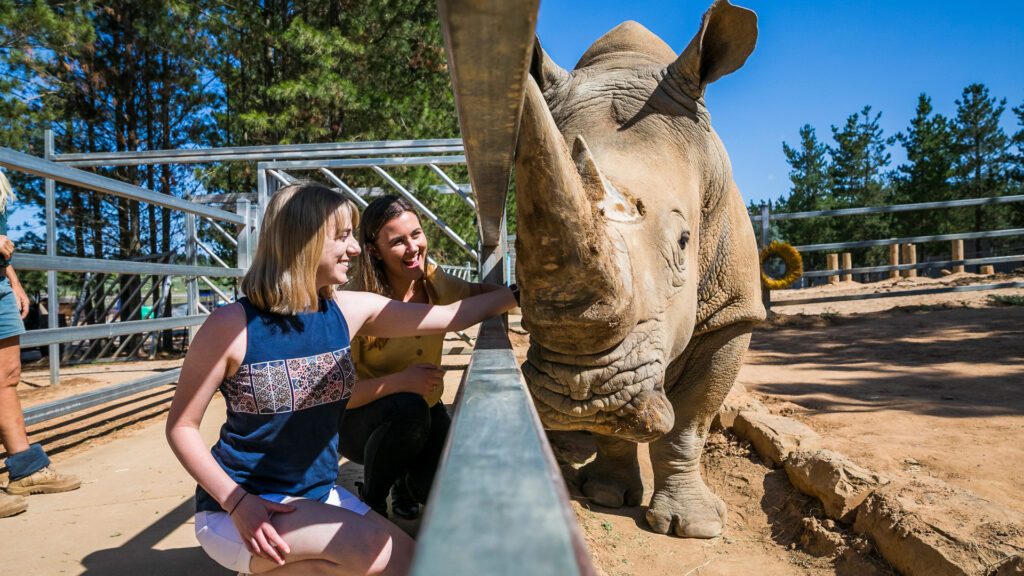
[[222, 542]]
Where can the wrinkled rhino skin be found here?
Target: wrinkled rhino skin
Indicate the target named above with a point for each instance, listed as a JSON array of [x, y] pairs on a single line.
[[636, 259]]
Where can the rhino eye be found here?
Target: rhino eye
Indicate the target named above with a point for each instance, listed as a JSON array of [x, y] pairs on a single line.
[[684, 239]]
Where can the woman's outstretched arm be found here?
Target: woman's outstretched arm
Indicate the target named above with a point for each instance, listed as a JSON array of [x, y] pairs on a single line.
[[370, 314]]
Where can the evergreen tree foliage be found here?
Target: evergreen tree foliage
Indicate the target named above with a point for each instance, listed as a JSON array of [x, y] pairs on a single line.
[[982, 161], [927, 174], [811, 190], [858, 173]]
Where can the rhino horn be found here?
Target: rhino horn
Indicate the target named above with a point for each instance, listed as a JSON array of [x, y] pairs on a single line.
[[726, 38], [576, 286]]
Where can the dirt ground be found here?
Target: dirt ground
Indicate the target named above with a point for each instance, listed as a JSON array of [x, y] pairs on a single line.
[[912, 387], [923, 386]]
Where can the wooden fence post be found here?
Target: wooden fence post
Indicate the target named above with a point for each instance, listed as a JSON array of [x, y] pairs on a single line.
[[958, 254], [833, 265], [847, 264], [894, 259], [910, 257]]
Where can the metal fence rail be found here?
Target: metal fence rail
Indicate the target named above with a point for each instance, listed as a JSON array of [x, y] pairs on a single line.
[[64, 406], [894, 208], [911, 240], [763, 219], [262, 153]]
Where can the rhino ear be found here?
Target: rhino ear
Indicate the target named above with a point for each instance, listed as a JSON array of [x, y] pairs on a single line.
[[726, 38], [543, 69]]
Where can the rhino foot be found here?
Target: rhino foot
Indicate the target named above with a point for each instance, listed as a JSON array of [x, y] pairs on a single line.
[[696, 514], [613, 479]]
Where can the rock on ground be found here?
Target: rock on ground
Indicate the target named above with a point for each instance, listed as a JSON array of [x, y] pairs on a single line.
[[930, 528], [774, 437], [840, 484]]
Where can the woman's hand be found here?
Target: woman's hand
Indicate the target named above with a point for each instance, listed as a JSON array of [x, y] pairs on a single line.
[[6, 247], [251, 516], [23, 302], [422, 379]]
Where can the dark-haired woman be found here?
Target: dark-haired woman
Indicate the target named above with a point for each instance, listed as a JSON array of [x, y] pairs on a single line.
[[395, 425]]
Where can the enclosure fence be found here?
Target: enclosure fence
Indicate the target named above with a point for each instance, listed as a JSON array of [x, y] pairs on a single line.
[[957, 262]]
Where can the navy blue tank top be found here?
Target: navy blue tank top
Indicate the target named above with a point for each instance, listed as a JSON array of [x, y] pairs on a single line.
[[281, 434]]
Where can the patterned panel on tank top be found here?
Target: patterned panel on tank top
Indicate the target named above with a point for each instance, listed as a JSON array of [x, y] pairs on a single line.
[[294, 384]]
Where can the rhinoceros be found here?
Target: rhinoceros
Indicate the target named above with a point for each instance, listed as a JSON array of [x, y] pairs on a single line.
[[636, 259]]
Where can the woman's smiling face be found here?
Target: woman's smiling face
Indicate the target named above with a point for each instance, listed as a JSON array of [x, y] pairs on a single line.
[[402, 247], [340, 249]]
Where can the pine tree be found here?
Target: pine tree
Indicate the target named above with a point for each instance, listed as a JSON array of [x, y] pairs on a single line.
[[982, 166], [810, 190], [926, 177], [859, 160]]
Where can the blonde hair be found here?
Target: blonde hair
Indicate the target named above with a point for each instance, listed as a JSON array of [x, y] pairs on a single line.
[[282, 277], [6, 192]]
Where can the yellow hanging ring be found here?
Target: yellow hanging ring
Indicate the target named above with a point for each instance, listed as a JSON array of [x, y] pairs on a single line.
[[790, 257]]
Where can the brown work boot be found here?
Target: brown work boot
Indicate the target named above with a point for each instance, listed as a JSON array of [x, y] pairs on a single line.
[[44, 481], [11, 505]]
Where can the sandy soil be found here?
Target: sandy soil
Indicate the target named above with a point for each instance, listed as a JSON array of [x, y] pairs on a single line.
[[926, 386], [919, 386]]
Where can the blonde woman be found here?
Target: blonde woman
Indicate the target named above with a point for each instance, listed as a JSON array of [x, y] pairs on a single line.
[[28, 467], [266, 500]]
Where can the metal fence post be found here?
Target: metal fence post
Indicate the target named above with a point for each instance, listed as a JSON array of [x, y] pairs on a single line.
[[192, 282], [245, 236], [766, 294], [52, 297]]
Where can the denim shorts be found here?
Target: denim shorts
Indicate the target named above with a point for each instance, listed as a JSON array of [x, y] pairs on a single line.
[[10, 316], [222, 542]]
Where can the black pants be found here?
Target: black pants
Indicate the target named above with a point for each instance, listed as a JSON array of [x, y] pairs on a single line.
[[393, 436]]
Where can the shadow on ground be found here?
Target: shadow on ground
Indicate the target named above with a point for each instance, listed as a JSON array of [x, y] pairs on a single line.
[[138, 557], [895, 359]]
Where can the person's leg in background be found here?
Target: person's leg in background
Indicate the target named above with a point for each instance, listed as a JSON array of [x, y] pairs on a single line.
[[424, 466], [28, 467], [385, 436]]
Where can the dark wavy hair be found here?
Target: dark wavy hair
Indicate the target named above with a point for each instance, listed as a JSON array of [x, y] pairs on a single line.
[[370, 275]]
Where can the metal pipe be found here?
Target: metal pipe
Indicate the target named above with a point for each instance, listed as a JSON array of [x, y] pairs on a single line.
[[191, 287], [209, 252], [224, 233], [57, 408], [344, 188], [363, 162], [35, 338], [74, 177], [72, 264], [251, 153], [936, 264], [217, 290], [911, 240], [901, 207], [426, 211], [454, 187], [279, 177], [52, 296]]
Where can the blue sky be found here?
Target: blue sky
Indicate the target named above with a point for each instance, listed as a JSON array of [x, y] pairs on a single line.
[[818, 62]]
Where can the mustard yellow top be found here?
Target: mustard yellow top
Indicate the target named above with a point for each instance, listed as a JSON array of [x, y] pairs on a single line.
[[385, 356]]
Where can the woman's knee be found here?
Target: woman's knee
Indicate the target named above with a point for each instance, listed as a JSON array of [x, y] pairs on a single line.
[[10, 373]]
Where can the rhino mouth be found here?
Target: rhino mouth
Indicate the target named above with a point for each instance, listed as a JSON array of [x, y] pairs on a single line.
[[618, 393]]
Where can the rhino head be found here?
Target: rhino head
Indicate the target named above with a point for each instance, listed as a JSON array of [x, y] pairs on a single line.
[[632, 237]]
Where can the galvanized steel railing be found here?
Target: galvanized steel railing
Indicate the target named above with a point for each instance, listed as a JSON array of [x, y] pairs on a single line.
[[766, 216]]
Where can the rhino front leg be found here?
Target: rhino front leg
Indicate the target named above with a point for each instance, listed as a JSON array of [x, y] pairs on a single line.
[[613, 478], [682, 503]]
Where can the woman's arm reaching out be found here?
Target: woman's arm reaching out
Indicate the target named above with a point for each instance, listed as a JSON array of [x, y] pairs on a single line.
[[370, 314]]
